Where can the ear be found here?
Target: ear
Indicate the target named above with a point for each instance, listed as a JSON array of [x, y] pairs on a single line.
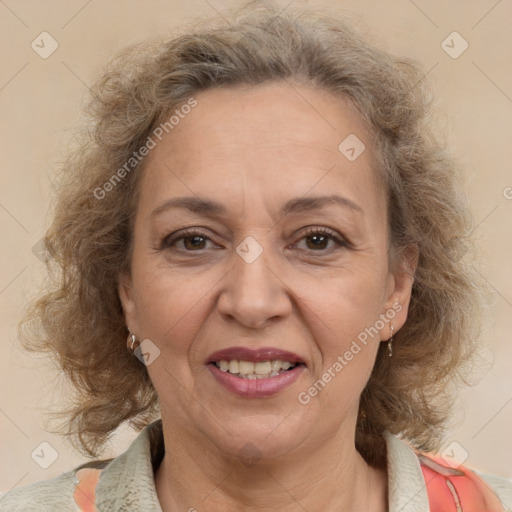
[[126, 296], [399, 291]]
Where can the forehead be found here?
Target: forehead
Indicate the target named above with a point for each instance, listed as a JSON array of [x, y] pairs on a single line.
[[273, 141]]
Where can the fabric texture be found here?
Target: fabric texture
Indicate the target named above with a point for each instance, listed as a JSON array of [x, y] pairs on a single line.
[[454, 488], [127, 482]]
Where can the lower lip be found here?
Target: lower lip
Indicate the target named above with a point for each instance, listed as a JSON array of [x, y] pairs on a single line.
[[256, 388]]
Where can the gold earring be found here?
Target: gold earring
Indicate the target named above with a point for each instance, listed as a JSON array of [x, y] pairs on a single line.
[[390, 343], [132, 339]]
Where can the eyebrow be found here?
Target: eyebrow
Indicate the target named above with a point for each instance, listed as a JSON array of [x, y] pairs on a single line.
[[297, 205]]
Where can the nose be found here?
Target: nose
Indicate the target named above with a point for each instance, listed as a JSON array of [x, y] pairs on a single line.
[[254, 293]]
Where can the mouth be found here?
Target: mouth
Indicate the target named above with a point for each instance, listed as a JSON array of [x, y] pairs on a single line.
[[255, 373], [255, 370]]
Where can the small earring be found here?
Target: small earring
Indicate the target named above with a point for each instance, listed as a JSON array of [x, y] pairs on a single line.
[[390, 343], [132, 339]]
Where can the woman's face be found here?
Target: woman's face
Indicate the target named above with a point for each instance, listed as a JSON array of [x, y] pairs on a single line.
[[256, 276]]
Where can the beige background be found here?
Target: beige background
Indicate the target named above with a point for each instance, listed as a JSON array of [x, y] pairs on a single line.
[[40, 103]]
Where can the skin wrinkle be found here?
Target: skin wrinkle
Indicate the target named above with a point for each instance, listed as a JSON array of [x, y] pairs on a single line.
[[313, 306], [351, 231], [89, 243]]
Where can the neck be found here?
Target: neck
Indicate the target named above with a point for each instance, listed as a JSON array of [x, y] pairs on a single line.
[[332, 476]]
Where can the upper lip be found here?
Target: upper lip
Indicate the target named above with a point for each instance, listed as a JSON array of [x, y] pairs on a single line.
[[254, 355]]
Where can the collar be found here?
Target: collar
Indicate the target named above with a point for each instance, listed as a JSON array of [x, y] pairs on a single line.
[[127, 482]]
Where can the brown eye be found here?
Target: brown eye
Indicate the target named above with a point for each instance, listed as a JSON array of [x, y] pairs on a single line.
[[318, 239], [193, 242], [190, 241]]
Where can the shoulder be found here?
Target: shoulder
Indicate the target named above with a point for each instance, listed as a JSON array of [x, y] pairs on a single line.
[[55, 494], [466, 485], [420, 482], [136, 465], [501, 486]]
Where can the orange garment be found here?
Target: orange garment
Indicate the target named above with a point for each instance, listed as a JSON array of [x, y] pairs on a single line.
[[85, 490], [457, 489], [449, 489]]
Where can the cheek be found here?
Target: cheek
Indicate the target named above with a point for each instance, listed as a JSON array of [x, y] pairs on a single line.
[[348, 346], [171, 308], [342, 316], [348, 303]]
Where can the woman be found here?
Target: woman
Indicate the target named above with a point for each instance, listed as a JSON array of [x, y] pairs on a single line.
[[262, 210]]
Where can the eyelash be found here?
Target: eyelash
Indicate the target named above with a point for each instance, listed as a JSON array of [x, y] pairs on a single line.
[[168, 242]]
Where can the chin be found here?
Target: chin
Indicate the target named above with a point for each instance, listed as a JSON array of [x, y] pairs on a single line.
[[261, 438]]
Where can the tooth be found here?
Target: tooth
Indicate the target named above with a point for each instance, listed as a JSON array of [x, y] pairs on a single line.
[[276, 365], [251, 370], [263, 376], [245, 367], [262, 368]]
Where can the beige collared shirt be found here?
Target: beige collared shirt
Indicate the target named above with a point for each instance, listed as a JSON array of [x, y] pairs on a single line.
[[127, 482]]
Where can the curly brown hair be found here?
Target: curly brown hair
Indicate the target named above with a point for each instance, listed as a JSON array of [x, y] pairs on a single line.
[[79, 319]]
